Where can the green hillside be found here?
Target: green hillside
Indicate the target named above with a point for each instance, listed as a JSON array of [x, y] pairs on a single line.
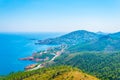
[[75, 37], [105, 66], [51, 73], [94, 53], [82, 40]]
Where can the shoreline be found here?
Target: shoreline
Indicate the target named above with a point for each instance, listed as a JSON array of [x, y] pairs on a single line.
[[44, 61]]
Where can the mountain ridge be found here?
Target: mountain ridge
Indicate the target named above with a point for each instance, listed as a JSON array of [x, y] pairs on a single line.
[[52, 73], [87, 41]]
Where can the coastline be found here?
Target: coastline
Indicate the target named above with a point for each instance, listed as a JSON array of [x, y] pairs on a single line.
[[41, 62]]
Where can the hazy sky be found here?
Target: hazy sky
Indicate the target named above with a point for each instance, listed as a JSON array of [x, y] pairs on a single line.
[[59, 15]]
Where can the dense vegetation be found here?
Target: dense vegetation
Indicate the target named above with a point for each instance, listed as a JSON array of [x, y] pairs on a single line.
[[82, 40], [71, 38], [105, 66], [2, 77], [105, 43], [51, 73], [96, 54]]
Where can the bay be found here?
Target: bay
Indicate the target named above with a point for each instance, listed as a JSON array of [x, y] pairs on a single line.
[[18, 45]]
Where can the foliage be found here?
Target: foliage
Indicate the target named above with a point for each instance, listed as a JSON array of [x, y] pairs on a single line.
[[105, 66], [50, 73], [82, 40]]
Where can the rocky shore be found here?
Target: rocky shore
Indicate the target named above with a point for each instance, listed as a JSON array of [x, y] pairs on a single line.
[[27, 58], [43, 57], [30, 66]]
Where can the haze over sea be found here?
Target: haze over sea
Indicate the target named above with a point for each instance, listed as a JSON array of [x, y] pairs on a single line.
[[18, 45]]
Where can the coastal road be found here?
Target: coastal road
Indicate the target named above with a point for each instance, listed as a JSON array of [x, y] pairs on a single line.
[[39, 66]]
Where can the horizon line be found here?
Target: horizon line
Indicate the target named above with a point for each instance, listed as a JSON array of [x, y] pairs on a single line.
[[55, 31]]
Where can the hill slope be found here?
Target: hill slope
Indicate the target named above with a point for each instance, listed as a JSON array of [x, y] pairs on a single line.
[[52, 73], [106, 43], [82, 40], [104, 66], [74, 37]]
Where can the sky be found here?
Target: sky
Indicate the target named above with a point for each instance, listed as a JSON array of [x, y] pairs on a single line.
[[59, 15]]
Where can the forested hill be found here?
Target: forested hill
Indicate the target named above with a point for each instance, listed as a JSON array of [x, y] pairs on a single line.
[[51, 73], [104, 66], [82, 40], [71, 38]]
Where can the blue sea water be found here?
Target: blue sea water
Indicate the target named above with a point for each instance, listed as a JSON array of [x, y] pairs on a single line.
[[18, 45]]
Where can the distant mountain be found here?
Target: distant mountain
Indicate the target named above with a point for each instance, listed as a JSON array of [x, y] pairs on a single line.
[[115, 35], [82, 40], [52, 73], [105, 43], [72, 38], [101, 33]]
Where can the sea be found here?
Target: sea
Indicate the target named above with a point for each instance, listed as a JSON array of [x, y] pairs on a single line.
[[19, 45]]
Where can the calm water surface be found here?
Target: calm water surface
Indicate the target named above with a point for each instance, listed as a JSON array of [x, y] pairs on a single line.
[[17, 45]]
